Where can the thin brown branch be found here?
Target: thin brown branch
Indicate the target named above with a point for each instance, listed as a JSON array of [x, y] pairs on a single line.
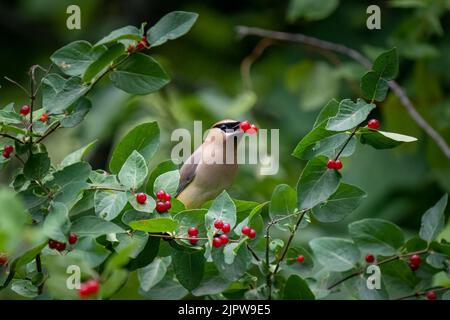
[[243, 31], [5, 135], [253, 253], [422, 293], [17, 84], [248, 61]]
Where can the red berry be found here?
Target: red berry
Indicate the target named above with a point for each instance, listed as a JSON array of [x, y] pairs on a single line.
[[25, 110], [161, 195], [246, 230], [226, 228], [193, 241], [431, 295], [218, 224], [131, 48], [252, 233], [160, 207], [373, 124], [88, 288], [52, 244], [224, 239], [414, 267], [142, 45], [167, 197], [330, 164], [141, 198], [60, 246], [370, 258], [6, 155], [3, 259], [167, 205], [245, 125], [193, 231], [73, 238], [8, 148], [253, 129], [300, 258], [415, 259], [338, 165], [217, 242], [44, 117]]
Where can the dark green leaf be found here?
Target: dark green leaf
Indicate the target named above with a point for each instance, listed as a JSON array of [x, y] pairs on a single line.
[[109, 204], [173, 25], [155, 225], [168, 182], [188, 268], [283, 203], [383, 140], [350, 115], [37, 166], [433, 220], [161, 168], [140, 74], [152, 274], [335, 254], [94, 227], [80, 108], [134, 171], [9, 117], [374, 87], [57, 224], [297, 289], [103, 62], [310, 9], [128, 32], [58, 93], [77, 155]]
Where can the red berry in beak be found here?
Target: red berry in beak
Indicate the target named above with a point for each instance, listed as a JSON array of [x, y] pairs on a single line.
[[245, 125]]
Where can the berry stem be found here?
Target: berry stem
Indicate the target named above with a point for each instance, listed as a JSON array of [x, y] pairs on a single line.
[[253, 253], [346, 142], [5, 135], [422, 293]]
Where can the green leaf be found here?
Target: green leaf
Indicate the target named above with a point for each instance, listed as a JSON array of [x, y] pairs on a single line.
[[330, 110], [74, 58], [109, 204], [9, 117], [148, 206], [144, 138], [191, 218], [310, 9], [80, 109], [382, 140], [168, 182], [128, 32], [77, 155], [37, 166], [433, 220], [114, 283], [152, 274], [297, 289], [167, 289], [335, 254], [283, 203], [25, 288], [189, 268], [386, 64], [12, 221], [139, 74], [91, 252], [58, 93], [70, 181], [94, 227], [57, 224], [161, 168], [231, 262], [320, 141], [340, 204], [374, 87], [103, 62], [379, 237], [316, 184], [155, 225], [222, 208], [350, 115], [173, 25], [147, 254], [134, 171]]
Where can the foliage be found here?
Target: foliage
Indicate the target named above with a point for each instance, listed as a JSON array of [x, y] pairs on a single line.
[[120, 238]]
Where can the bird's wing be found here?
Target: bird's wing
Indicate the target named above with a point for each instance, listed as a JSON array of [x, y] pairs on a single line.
[[187, 171]]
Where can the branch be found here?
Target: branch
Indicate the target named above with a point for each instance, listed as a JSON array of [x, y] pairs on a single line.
[[253, 253], [5, 135], [243, 31], [387, 260], [422, 293]]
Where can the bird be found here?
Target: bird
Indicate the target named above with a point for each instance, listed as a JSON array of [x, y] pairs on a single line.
[[201, 179]]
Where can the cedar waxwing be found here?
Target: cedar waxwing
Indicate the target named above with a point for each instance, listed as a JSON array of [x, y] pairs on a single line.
[[212, 167]]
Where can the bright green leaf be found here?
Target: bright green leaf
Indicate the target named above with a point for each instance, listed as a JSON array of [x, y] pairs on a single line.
[[173, 25]]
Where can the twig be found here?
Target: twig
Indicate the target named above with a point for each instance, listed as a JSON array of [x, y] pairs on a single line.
[[393, 258], [58, 124], [346, 142], [422, 293], [251, 58], [5, 135], [243, 31], [253, 253], [17, 84]]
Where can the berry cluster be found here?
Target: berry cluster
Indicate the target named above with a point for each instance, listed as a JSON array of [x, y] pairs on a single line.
[[25, 110], [88, 288], [163, 201], [141, 45], [249, 232], [248, 128], [3, 259], [221, 240], [61, 246], [414, 262], [193, 233], [7, 150], [334, 164]]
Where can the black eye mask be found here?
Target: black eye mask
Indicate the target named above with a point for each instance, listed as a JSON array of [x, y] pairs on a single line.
[[229, 126]]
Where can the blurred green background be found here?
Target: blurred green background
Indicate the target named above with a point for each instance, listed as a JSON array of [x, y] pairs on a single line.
[[290, 83]]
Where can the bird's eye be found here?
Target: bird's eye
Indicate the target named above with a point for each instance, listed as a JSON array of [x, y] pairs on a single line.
[[223, 127]]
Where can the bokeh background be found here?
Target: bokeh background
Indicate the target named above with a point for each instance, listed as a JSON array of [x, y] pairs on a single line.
[[290, 83]]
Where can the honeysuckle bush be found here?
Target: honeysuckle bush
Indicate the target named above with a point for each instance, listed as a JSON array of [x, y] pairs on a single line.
[[120, 239]]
